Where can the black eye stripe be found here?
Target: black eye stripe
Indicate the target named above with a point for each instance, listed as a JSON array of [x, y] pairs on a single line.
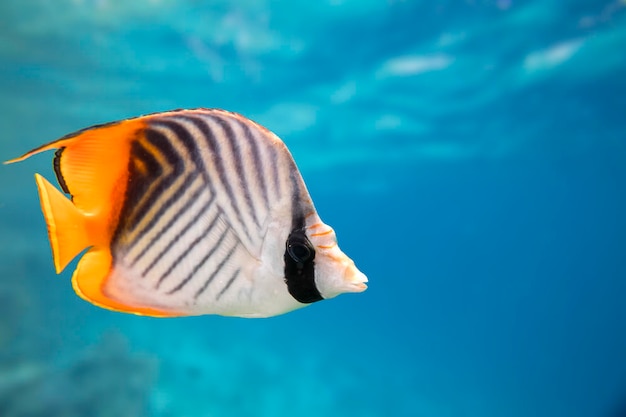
[[300, 267]]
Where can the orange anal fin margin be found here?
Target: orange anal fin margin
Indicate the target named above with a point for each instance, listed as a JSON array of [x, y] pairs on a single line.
[[90, 278]]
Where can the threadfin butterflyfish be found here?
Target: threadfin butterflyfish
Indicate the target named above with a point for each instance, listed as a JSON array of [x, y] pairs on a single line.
[[189, 212]]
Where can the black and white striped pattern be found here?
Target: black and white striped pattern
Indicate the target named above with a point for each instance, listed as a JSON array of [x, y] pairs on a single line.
[[201, 189]]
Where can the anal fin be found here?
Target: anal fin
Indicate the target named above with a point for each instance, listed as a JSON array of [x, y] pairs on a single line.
[[89, 282]]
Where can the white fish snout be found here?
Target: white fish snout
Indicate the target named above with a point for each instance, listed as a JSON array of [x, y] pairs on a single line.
[[354, 279]]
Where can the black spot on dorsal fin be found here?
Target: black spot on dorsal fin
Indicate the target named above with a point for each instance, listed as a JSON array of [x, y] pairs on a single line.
[[56, 163]]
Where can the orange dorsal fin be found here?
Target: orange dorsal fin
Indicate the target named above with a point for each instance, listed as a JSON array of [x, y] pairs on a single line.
[[92, 166]]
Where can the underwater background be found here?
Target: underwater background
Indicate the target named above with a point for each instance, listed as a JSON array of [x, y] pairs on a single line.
[[470, 154]]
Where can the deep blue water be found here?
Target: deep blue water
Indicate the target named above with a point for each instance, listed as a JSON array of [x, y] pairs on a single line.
[[471, 156]]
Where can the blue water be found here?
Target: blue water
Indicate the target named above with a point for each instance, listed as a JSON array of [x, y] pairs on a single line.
[[471, 156]]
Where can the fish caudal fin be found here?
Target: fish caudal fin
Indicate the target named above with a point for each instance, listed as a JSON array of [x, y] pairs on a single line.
[[67, 229]]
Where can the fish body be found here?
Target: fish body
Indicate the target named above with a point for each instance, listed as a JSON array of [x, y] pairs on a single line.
[[189, 212]]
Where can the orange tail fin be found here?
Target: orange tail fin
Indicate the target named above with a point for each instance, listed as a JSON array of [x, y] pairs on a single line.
[[67, 229]]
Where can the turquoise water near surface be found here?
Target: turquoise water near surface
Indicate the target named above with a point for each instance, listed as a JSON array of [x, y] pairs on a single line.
[[471, 156]]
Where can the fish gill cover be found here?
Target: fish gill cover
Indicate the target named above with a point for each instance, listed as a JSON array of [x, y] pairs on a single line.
[[470, 154]]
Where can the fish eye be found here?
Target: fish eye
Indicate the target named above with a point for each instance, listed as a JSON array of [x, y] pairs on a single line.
[[299, 252], [300, 249]]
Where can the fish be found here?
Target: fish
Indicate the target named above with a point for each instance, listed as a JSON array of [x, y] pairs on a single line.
[[189, 212]]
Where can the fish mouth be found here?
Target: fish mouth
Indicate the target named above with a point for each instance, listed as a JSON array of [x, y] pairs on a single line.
[[355, 279]]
